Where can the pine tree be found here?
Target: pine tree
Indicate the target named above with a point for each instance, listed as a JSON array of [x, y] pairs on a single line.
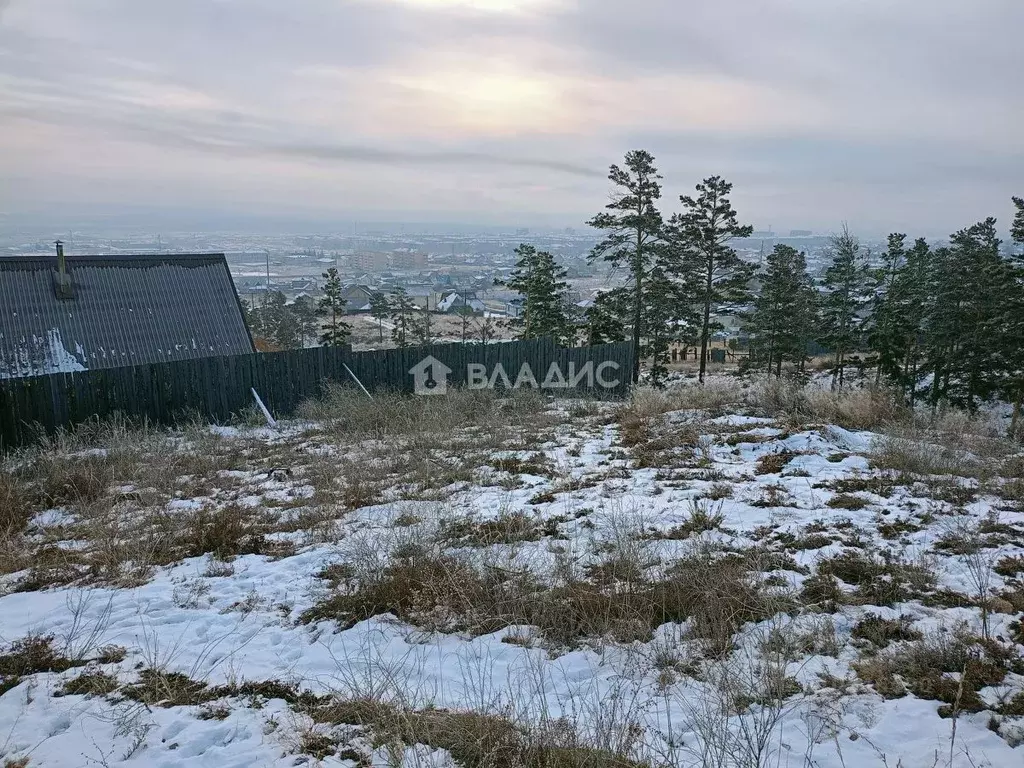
[[667, 317], [306, 316], [380, 310], [332, 306], [1017, 228], [402, 318], [541, 283], [965, 328], [603, 320], [632, 225], [1015, 319], [465, 314], [901, 310], [846, 294], [782, 320], [277, 322], [254, 319], [423, 326], [701, 235], [887, 333], [486, 332]]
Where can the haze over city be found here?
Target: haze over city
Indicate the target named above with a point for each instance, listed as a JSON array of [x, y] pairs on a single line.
[[198, 114]]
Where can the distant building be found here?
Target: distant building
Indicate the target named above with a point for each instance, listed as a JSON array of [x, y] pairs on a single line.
[[800, 233], [80, 313], [408, 260], [514, 307], [369, 261], [357, 297], [457, 300], [380, 261]]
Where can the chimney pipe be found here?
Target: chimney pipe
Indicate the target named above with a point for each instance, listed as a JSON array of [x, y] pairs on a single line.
[[62, 280], [61, 264]]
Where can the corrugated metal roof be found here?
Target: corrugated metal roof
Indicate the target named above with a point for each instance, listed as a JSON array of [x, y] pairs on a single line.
[[125, 310]]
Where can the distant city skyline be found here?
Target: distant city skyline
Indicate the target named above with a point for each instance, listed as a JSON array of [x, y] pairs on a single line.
[[888, 116]]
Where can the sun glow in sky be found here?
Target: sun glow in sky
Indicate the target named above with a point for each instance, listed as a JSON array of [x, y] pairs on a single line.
[[492, 110], [486, 6]]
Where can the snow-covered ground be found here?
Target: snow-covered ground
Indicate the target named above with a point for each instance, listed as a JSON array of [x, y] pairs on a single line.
[[602, 509]]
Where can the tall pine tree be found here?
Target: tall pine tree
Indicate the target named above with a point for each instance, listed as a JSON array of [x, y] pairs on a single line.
[[306, 315], [886, 334], [964, 331], [380, 310], [782, 322], [541, 283], [632, 241], [1015, 319], [845, 301], [402, 318], [714, 272], [1017, 228], [332, 306]]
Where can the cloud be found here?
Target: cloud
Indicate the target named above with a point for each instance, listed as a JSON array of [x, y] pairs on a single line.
[[818, 111]]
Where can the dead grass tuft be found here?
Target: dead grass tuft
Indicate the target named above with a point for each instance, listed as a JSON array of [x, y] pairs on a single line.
[[29, 656], [878, 578], [881, 632], [773, 463], [848, 501], [948, 666]]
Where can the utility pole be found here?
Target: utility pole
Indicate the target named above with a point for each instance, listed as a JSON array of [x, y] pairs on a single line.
[[268, 271]]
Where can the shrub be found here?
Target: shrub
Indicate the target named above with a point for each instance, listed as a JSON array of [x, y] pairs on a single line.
[[880, 579], [880, 632], [951, 667], [847, 501], [29, 656], [774, 463]]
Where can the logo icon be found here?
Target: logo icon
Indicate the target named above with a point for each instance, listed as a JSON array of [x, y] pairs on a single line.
[[430, 376]]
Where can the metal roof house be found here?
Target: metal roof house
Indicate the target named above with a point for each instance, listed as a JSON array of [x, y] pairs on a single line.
[[77, 313]]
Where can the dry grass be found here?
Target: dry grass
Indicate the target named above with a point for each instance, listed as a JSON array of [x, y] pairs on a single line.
[[476, 739], [615, 597], [348, 414], [29, 656], [948, 666], [878, 578], [851, 408], [848, 501], [773, 463], [881, 632]]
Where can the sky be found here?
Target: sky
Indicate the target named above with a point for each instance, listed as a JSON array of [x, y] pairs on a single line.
[[886, 114]]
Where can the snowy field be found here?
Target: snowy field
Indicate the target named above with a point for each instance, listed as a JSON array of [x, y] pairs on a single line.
[[735, 576]]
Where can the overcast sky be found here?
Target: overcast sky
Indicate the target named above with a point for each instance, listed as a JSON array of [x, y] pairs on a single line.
[[883, 113]]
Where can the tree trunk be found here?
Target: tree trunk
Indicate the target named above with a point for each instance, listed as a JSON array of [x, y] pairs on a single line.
[[637, 314], [705, 334]]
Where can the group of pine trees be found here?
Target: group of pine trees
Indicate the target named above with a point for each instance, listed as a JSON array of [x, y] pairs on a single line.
[[940, 325], [304, 321]]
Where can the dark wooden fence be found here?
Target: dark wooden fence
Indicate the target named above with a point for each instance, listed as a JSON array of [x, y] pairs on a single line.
[[217, 388]]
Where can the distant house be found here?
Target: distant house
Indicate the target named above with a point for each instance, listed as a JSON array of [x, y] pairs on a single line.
[[357, 297], [457, 300], [80, 313], [514, 307]]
